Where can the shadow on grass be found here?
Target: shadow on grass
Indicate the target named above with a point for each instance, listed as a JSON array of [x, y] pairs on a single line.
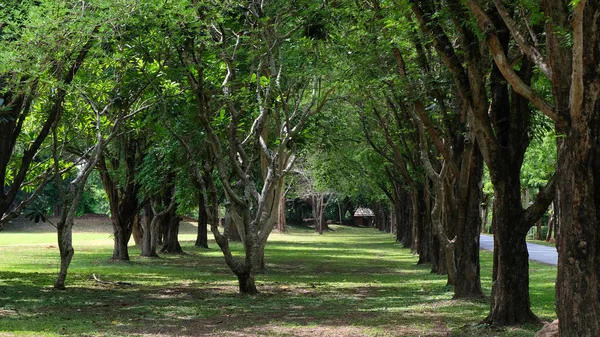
[[199, 309], [361, 285]]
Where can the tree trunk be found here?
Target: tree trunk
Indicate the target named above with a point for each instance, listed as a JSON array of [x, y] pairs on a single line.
[[232, 231], [259, 266], [202, 237], [439, 263], [65, 246], [447, 232], [578, 243], [317, 206], [281, 220], [404, 231], [510, 112], [150, 226], [510, 278], [122, 198], [486, 212], [247, 284], [551, 223], [538, 230], [171, 238], [122, 235], [136, 229], [468, 281], [424, 230], [578, 277]]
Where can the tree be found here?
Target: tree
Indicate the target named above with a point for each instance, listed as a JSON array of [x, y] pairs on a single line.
[[87, 161], [33, 89], [572, 70], [502, 134], [255, 118]]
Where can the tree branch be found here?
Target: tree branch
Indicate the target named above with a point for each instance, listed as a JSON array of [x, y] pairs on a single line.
[[486, 24], [531, 51]]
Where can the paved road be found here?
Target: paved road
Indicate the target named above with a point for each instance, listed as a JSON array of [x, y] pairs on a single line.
[[539, 253]]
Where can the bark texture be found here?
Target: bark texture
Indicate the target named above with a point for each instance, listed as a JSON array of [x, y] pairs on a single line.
[[577, 293], [171, 235], [122, 196], [468, 280], [150, 232], [202, 237], [65, 246]]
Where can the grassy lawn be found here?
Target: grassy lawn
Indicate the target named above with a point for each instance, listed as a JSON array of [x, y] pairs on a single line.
[[351, 282], [542, 242]]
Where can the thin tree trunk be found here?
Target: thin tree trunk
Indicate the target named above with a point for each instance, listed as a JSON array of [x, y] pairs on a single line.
[[538, 230], [149, 240], [65, 246], [341, 217], [202, 237], [405, 222], [416, 219], [317, 204], [424, 230], [551, 223], [486, 212], [136, 229], [281, 220]]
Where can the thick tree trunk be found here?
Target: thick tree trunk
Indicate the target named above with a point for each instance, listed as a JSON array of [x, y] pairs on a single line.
[[397, 221], [122, 198], [510, 278], [468, 281], [202, 237], [232, 230], [578, 277], [122, 234], [578, 280], [247, 284], [510, 112], [171, 238]]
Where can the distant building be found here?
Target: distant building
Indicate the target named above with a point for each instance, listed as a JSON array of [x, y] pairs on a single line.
[[363, 217]]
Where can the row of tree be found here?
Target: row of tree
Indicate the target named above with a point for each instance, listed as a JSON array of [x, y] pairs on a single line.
[[181, 104], [445, 88]]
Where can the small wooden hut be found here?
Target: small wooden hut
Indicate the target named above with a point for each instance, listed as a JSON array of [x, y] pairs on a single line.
[[363, 217]]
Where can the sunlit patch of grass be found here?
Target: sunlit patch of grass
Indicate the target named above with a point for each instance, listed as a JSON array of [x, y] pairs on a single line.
[[349, 281]]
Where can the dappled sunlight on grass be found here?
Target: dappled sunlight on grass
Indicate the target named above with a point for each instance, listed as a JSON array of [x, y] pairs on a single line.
[[351, 282]]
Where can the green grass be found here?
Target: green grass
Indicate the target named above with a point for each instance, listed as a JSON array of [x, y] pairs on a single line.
[[349, 282], [542, 242]]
